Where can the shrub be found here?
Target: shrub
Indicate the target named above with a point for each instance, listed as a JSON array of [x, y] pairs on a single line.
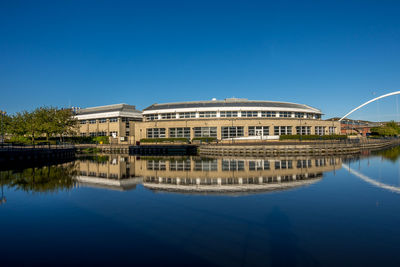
[[101, 139], [204, 139], [19, 140], [312, 137], [164, 140]]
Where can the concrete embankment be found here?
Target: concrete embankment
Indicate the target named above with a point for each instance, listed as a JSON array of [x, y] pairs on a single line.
[[30, 156], [296, 148]]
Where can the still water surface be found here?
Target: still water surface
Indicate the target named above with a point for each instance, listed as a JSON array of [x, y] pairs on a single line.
[[124, 210]]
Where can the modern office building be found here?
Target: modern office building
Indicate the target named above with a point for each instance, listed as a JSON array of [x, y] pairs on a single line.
[[229, 119], [238, 119], [117, 121]]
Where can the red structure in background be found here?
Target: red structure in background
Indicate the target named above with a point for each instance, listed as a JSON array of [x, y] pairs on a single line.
[[348, 126]]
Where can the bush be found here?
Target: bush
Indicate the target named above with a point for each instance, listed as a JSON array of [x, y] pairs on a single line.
[[164, 140], [205, 139], [312, 137], [20, 140], [90, 150], [101, 139]]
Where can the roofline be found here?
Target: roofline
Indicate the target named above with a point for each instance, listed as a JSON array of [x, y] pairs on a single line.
[[107, 106]]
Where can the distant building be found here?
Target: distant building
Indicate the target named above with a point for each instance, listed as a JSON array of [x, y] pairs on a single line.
[[116, 121], [362, 127]]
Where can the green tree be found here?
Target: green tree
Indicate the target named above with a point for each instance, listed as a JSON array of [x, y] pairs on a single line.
[[389, 129]]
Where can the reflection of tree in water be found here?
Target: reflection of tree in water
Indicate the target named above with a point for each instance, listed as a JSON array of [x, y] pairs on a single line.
[[45, 179], [391, 154], [285, 250]]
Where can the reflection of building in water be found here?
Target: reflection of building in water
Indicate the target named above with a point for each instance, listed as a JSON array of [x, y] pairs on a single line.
[[111, 172], [231, 174]]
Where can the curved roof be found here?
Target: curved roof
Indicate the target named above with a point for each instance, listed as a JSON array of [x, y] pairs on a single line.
[[230, 102], [230, 189]]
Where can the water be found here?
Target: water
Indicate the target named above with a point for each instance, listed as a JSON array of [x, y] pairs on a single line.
[[123, 210]]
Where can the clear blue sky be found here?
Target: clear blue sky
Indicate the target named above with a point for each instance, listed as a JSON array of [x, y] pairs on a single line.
[[332, 55]]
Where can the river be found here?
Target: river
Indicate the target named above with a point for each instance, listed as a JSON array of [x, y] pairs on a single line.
[[128, 210]]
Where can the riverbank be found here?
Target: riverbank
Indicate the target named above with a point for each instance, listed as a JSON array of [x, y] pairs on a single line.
[[25, 156], [296, 148]]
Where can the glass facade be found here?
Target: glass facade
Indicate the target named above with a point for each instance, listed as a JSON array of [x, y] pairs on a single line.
[[258, 130], [282, 130], [208, 114], [179, 132], [285, 114], [232, 132], [319, 130], [155, 133], [268, 114], [249, 114], [205, 131], [303, 130], [228, 114], [166, 116], [151, 117], [186, 115]]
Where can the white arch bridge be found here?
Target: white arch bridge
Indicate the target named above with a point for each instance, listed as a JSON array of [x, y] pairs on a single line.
[[370, 101]]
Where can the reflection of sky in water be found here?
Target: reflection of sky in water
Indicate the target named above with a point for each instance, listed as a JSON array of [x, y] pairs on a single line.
[[340, 220]]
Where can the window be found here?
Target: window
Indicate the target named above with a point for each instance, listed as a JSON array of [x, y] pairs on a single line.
[[249, 114], [285, 114], [166, 116], [205, 131], [186, 115], [258, 130], [101, 134], [228, 114], [309, 116], [299, 114], [319, 130], [92, 134], [206, 165], [179, 132], [332, 130], [304, 163], [83, 134], [208, 114], [113, 119], [82, 122], [180, 165], [114, 133], [283, 164], [151, 117], [102, 120], [303, 130], [232, 165], [127, 133], [282, 130], [320, 162], [255, 165], [268, 114], [155, 133], [156, 165], [318, 116], [232, 132], [92, 121]]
